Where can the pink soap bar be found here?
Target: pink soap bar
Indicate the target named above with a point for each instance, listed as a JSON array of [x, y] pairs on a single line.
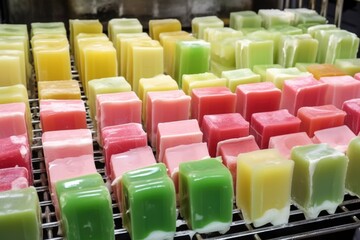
[[284, 143], [229, 150], [183, 153], [12, 119], [302, 92], [165, 106], [121, 138], [257, 97], [337, 137], [220, 127], [211, 100], [127, 161], [357, 76], [267, 124], [117, 108], [13, 178], [352, 118], [320, 117], [171, 134], [62, 115], [340, 89], [15, 151], [66, 143]]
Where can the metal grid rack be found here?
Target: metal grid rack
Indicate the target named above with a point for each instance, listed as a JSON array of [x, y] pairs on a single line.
[[341, 224]]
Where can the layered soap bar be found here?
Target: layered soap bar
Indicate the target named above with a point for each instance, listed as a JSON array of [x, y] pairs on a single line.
[[352, 174], [319, 178], [279, 75], [149, 200], [205, 187], [201, 80], [199, 24], [264, 187], [240, 76], [13, 178], [244, 19], [352, 118], [61, 90], [158, 26]]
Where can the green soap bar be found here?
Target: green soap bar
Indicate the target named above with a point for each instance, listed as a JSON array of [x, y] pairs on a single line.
[[244, 19], [319, 178], [199, 24], [48, 28], [349, 66], [20, 215], [87, 214], [223, 51], [206, 195], [240, 76], [352, 176], [217, 68], [149, 203], [254, 51], [261, 70]]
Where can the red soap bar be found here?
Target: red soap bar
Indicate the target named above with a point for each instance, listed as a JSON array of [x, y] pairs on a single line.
[[284, 143], [15, 151], [121, 138], [337, 137], [320, 117], [257, 97], [211, 100], [229, 150], [267, 124], [352, 118], [12, 119], [340, 88], [13, 178], [220, 127], [62, 115], [302, 92]]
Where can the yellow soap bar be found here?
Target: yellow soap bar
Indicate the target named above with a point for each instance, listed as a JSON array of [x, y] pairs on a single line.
[[158, 83], [157, 26], [12, 67], [65, 89], [123, 25], [263, 187], [190, 81], [83, 26], [45, 37]]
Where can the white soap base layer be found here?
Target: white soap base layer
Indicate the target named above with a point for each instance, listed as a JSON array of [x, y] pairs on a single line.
[[220, 227], [313, 212], [274, 216], [155, 235]]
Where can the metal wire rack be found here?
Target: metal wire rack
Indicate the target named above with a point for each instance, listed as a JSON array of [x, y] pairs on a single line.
[[341, 224]]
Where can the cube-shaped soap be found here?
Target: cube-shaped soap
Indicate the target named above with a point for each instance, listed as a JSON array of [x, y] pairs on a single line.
[[199, 24], [201, 80], [320, 117], [64, 89], [165, 106], [211, 100], [20, 216], [244, 19], [206, 190], [157, 26], [319, 178], [279, 75], [219, 127], [145, 207], [240, 76], [13, 178], [267, 124], [324, 70], [340, 88], [62, 115], [171, 134], [349, 66], [352, 118], [302, 92], [257, 97], [263, 187], [352, 175]]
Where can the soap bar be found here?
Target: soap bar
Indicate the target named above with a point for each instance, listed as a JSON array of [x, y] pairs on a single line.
[[12, 119], [264, 187], [267, 124], [324, 70], [240, 76], [205, 187], [320, 117], [257, 97], [171, 134], [199, 24], [217, 68], [13, 178], [274, 17], [12, 68], [244, 19], [66, 143], [216, 35], [38, 28], [279, 75], [157, 26], [20, 216], [195, 52], [77, 26], [319, 178], [183, 153], [62, 115], [201, 80], [211, 100], [352, 118], [315, 30], [336, 137], [340, 89], [302, 92], [349, 66], [305, 15], [261, 69], [352, 174], [87, 214], [219, 127], [61, 90], [165, 106], [229, 150], [102, 86], [149, 200], [121, 138], [285, 143], [123, 25], [223, 51]]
